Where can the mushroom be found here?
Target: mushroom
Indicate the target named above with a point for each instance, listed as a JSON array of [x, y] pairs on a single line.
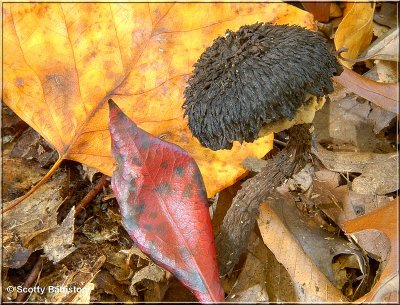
[[263, 78]]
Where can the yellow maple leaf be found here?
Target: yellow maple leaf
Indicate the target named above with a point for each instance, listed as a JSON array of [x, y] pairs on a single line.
[[62, 62]]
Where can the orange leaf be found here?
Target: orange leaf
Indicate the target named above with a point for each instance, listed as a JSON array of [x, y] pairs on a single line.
[[62, 62], [355, 30], [384, 219]]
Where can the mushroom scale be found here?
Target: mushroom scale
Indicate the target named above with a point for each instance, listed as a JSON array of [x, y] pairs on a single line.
[[259, 75]]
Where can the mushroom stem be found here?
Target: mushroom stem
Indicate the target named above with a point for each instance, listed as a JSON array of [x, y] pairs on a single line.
[[239, 221]]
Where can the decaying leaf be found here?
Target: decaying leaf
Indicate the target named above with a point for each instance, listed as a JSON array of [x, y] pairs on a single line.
[[347, 124], [60, 241], [33, 226], [338, 202], [83, 296], [319, 241], [163, 205], [150, 272], [355, 31], [64, 61], [250, 286], [314, 285], [320, 10], [379, 171], [384, 219], [387, 14], [68, 284], [105, 281]]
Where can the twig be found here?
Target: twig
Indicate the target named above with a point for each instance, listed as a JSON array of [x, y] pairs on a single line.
[[32, 277], [102, 182]]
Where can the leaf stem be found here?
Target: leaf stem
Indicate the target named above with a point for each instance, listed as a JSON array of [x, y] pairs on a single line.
[[33, 189]]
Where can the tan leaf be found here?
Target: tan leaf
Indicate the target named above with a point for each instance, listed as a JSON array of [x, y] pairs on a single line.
[[315, 286]]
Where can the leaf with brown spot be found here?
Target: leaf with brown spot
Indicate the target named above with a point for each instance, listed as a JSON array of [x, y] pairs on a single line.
[[62, 62]]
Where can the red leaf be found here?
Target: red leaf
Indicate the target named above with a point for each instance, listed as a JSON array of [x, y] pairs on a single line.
[[163, 204]]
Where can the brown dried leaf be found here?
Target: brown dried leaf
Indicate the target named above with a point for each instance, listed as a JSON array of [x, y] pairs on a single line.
[[105, 281], [83, 296], [384, 219], [18, 176], [33, 225], [387, 14], [315, 286], [338, 202], [73, 279], [379, 171], [156, 290], [384, 95], [344, 124], [59, 243]]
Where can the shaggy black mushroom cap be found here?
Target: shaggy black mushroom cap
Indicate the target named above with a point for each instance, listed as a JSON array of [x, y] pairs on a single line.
[[255, 76]]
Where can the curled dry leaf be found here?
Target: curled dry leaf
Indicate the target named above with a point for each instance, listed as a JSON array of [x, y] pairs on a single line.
[[338, 202], [384, 219], [314, 285], [152, 273], [379, 171], [164, 206], [62, 62], [355, 31]]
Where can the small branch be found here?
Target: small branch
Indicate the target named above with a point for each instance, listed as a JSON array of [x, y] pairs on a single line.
[[30, 280], [102, 182]]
